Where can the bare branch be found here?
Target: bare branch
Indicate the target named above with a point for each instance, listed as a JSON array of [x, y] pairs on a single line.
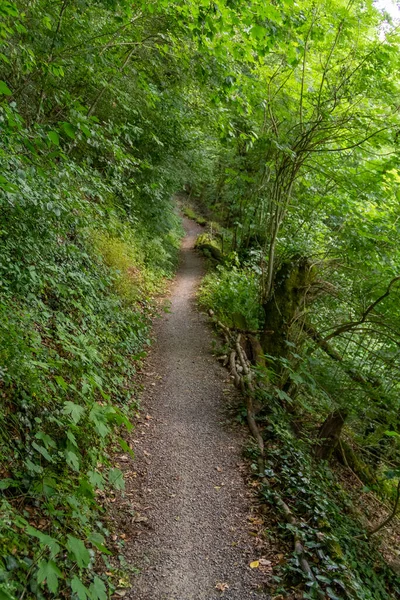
[[352, 324]]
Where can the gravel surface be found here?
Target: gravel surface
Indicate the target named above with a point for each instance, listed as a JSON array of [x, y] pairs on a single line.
[[188, 483]]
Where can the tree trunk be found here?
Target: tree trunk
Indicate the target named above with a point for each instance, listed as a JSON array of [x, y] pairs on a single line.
[[329, 434], [290, 287], [346, 455]]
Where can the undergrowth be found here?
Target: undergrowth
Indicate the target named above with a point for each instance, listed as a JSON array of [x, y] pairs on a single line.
[[345, 564], [78, 278], [233, 294], [189, 212]]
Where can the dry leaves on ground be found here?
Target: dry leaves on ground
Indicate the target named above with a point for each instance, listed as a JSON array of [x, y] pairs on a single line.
[[222, 587]]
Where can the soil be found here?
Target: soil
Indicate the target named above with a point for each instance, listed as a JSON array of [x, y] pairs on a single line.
[[187, 511]]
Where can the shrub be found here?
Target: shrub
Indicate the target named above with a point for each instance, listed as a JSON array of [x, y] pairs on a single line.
[[233, 294]]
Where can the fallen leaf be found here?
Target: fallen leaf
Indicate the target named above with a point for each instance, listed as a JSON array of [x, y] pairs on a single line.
[[264, 562], [281, 558], [255, 564], [222, 587], [139, 519], [256, 520]]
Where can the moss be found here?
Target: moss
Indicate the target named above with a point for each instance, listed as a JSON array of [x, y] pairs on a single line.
[[291, 283], [346, 454], [191, 214], [209, 246]]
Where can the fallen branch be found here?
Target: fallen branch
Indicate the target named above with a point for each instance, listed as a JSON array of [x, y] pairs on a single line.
[[251, 418], [346, 464], [298, 546], [390, 517], [232, 363]]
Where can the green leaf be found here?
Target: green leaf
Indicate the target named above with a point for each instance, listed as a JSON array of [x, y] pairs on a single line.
[[96, 479], [46, 21], [4, 89], [85, 130], [75, 411], [54, 137], [79, 550], [69, 130], [98, 589], [98, 416], [98, 540], [42, 451], [79, 589], [71, 437], [4, 595], [49, 572], [392, 433], [72, 460], [6, 483], [116, 479], [61, 382], [7, 186], [46, 439], [126, 447], [283, 395], [44, 539], [331, 594], [258, 32]]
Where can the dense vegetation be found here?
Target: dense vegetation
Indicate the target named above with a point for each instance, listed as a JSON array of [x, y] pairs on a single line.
[[284, 119], [305, 186]]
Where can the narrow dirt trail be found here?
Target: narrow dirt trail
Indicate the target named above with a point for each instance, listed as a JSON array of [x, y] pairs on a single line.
[[187, 464]]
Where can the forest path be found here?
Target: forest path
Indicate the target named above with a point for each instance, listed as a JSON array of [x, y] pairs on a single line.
[[188, 480]]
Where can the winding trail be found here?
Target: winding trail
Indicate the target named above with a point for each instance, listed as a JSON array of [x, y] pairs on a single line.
[[194, 535]]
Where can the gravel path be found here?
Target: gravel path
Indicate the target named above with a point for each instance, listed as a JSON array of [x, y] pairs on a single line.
[[194, 535]]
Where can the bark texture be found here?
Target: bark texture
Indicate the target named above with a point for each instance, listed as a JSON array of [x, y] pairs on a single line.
[[329, 434], [292, 281]]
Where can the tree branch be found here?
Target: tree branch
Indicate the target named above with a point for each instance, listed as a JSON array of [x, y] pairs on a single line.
[[390, 517], [351, 324]]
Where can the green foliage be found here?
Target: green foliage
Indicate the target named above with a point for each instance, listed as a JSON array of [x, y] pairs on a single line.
[[88, 234], [284, 118], [191, 214], [75, 310], [233, 294], [344, 563]]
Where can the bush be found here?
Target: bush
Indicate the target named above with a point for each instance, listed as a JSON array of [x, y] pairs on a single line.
[[233, 294]]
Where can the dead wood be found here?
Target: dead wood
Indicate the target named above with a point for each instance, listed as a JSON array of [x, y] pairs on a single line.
[[374, 392], [346, 455], [329, 434], [391, 515]]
